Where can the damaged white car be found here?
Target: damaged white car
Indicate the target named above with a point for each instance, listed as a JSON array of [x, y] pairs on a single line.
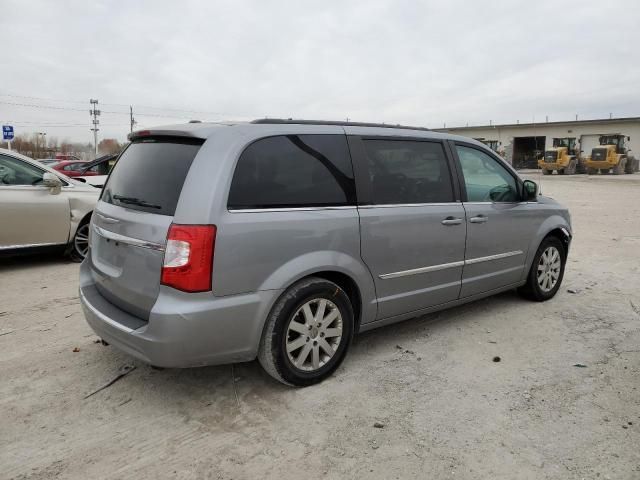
[[42, 209]]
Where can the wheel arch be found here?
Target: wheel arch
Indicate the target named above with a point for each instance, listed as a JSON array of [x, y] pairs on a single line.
[[555, 225], [76, 222], [339, 267], [561, 234], [349, 285]]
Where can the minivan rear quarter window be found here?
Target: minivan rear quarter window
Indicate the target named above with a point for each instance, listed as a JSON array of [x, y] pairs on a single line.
[[150, 173], [289, 171]]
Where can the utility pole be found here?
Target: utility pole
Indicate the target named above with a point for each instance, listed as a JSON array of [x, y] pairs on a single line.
[[38, 136], [95, 113], [133, 120]]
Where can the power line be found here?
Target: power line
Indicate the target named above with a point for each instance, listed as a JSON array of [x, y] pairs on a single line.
[[54, 107], [49, 107], [55, 125], [166, 109], [41, 98]]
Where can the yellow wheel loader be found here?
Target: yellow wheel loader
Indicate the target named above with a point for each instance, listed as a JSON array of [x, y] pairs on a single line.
[[561, 158], [611, 156]]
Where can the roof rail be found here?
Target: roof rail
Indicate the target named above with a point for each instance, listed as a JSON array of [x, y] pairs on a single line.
[[333, 122]]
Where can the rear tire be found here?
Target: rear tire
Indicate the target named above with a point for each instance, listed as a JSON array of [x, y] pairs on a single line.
[[547, 271], [307, 333]]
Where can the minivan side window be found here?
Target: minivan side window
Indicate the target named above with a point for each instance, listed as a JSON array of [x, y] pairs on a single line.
[[408, 171], [289, 171], [484, 178]]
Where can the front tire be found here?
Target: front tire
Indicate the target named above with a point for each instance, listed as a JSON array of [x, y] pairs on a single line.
[[80, 244], [307, 333], [547, 271]]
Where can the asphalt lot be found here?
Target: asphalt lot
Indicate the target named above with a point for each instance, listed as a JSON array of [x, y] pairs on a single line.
[[447, 410]]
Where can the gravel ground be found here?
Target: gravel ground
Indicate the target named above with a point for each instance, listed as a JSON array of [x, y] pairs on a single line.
[[445, 409]]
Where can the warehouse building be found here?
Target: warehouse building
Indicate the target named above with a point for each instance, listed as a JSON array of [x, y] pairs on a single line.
[[522, 144]]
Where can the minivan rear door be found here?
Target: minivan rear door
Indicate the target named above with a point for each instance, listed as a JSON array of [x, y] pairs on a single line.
[[411, 221], [131, 220]]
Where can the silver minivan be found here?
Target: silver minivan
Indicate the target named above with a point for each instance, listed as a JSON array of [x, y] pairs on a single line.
[[281, 239]]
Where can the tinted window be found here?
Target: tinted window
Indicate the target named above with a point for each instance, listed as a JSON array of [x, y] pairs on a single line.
[[73, 167], [101, 168], [17, 172], [149, 175], [405, 171], [294, 171], [485, 179]]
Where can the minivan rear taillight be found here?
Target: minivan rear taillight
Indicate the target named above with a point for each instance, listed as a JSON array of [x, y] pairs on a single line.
[[188, 257]]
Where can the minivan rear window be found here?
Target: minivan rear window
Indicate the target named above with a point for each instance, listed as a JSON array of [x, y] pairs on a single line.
[[150, 173]]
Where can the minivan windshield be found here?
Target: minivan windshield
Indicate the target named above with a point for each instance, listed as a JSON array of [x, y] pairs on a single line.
[[150, 173]]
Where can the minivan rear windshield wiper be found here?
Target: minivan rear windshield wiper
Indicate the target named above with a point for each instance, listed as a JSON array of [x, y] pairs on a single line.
[[135, 201]]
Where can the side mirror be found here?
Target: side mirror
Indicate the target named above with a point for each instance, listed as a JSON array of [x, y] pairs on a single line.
[[530, 190], [52, 182]]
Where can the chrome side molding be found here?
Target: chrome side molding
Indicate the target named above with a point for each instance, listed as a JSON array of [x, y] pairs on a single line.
[[29, 245], [444, 266], [493, 257], [416, 271]]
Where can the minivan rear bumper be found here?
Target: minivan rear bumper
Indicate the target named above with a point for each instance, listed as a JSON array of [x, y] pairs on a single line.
[[184, 329]]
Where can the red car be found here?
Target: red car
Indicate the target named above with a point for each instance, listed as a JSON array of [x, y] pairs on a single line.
[[66, 156], [73, 168]]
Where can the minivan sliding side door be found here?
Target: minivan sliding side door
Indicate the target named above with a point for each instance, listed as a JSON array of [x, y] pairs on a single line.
[[499, 223], [412, 222]]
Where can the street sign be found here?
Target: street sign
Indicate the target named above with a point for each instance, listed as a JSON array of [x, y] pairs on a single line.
[[7, 132]]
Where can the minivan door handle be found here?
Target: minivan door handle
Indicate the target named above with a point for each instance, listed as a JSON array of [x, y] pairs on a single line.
[[451, 221], [479, 219]]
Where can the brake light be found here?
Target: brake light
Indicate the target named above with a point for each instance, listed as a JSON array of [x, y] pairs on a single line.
[[188, 257]]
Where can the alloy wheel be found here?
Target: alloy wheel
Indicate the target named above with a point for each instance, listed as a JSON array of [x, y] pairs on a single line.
[[549, 269], [313, 334], [81, 240]]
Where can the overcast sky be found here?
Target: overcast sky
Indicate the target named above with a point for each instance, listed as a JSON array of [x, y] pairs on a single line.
[[404, 61]]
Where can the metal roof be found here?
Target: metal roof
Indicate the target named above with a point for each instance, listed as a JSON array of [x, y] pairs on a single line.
[[542, 124]]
